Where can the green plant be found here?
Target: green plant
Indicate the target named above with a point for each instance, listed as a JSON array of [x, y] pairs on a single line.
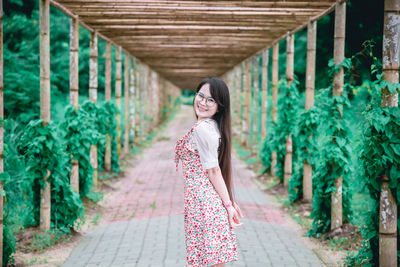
[[48, 238], [107, 124], [380, 156], [96, 218], [335, 162], [41, 149], [153, 205], [306, 149], [95, 196], [80, 132], [287, 118]]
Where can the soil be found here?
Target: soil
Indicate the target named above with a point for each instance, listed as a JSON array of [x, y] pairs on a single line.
[[333, 245], [29, 254]]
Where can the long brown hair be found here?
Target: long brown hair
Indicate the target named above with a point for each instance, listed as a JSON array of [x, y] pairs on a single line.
[[220, 92]]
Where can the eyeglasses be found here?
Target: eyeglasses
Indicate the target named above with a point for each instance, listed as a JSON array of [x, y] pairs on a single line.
[[209, 101]]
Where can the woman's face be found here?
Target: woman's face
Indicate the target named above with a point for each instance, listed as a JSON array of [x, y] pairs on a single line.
[[204, 105]]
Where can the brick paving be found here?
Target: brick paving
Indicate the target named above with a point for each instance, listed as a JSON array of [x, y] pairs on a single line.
[[143, 220]]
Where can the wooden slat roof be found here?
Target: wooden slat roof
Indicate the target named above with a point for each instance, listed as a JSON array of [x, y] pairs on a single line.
[[185, 41]]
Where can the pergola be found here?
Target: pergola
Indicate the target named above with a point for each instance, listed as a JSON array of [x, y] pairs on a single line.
[[175, 44], [185, 41]]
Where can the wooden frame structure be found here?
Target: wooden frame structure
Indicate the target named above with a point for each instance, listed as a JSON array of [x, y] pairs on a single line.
[[186, 41]]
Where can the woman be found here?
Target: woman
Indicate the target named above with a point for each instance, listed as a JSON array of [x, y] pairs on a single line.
[[211, 214]]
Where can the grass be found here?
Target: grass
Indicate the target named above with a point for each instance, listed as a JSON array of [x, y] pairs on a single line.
[[41, 241], [97, 218], [153, 205]]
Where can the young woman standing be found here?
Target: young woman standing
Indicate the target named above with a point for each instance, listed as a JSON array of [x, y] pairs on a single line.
[[211, 214]]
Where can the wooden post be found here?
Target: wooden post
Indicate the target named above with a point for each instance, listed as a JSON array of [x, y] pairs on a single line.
[[233, 88], [259, 98], [290, 79], [93, 85], [264, 89], [242, 102], [155, 115], [143, 104], [107, 152], [290, 58], [132, 96], [118, 72], [138, 107], [252, 104], [256, 98], [126, 104], [44, 24], [74, 88], [238, 96], [248, 100], [1, 131], [310, 83], [390, 64], [275, 77], [338, 50]]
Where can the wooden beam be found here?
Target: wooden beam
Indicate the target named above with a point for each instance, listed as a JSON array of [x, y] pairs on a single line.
[[107, 152], [93, 85], [118, 82], [310, 84], [74, 89], [338, 56], [126, 105], [290, 78], [132, 97], [274, 106], [388, 233], [1, 132], [44, 24], [264, 88], [235, 4]]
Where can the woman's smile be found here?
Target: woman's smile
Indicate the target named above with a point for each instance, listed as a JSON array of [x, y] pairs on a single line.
[[202, 107]]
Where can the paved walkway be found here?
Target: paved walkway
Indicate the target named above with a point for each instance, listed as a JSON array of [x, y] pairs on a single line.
[[143, 223]]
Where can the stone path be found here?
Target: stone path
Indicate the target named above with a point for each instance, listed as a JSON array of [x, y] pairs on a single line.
[[143, 222]]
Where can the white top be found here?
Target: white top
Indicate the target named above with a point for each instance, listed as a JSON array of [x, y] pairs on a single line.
[[206, 136]]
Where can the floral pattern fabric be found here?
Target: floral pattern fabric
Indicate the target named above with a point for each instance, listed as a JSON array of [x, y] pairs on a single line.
[[209, 238]]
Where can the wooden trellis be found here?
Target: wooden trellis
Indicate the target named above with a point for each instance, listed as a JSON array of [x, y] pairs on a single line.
[[1, 132], [185, 41], [388, 208]]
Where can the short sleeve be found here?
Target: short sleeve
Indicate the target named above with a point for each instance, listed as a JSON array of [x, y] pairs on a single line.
[[207, 137]]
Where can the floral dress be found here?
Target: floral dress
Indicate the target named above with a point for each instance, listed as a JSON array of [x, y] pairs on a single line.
[[209, 238]]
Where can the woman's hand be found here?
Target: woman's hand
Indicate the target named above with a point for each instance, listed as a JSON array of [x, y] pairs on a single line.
[[233, 217], [236, 206]]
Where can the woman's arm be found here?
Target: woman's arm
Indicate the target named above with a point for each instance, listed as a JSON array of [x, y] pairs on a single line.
[[218, 182]]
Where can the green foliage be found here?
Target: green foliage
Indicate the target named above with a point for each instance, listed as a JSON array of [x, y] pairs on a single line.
[[108, 125], [81, 132], [48, 238], [8, 245], [42, 152], [295, 182], [287, 118], [305, 131], [18, 206], [335, 161], [21, 83], [380, 155], [266, 150], [95, 196]]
